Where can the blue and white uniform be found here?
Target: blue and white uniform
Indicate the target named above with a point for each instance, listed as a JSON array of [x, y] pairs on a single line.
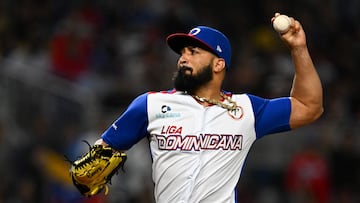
[[197, 152]]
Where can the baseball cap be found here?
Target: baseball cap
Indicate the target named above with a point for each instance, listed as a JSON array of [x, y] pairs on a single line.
[[205, 37]]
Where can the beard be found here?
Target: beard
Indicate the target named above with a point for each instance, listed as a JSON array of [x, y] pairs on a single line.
[[190, 83]]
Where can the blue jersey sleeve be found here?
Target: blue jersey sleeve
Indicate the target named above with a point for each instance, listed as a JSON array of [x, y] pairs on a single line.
[[130, 127], [271, 115]]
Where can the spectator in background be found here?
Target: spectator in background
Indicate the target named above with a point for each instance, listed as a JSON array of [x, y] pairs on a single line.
[[307, 176], [71, 47]]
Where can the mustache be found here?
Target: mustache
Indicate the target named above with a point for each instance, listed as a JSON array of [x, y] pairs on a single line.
[[184, 69], [182, 72]]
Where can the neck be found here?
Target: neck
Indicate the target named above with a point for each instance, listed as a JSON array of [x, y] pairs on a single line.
[[209, 91]]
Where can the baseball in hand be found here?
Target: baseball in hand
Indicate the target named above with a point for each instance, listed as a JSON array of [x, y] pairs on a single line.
[[281, 23]]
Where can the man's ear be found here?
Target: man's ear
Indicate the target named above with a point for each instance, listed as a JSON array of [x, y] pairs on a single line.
[[219, 64]]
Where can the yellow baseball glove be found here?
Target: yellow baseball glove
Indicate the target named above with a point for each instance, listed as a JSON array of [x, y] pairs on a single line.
[[93, 171]]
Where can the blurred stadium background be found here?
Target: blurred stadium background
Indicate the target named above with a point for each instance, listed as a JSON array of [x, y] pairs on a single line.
[[69, 68]]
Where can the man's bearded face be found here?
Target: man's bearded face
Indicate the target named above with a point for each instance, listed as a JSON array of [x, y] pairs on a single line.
[[185, 80]]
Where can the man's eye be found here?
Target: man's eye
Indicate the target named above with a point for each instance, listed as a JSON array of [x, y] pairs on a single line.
[[194, 51]]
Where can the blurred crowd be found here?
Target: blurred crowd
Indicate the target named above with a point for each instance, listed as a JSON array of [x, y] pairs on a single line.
[[117, 50]]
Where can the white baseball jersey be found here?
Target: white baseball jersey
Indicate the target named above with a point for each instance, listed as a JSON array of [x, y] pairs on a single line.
[[197, 152]]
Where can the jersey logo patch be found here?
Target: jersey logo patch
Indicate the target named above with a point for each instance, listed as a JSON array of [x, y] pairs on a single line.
[[237, 113], [166, 112], [165, 108]]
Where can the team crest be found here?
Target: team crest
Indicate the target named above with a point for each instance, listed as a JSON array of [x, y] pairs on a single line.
[[236, 113]]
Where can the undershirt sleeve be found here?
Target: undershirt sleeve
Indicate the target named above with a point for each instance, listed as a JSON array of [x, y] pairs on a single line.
[[130, 127], [271, 115]]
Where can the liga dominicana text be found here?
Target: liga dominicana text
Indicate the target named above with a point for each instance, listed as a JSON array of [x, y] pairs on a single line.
[[201, 142]]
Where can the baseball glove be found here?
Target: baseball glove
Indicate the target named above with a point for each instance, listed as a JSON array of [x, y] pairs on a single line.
[[93, 171]]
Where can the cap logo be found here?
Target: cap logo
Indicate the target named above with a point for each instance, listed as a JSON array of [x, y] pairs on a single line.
[[218, 48], [195, 31]]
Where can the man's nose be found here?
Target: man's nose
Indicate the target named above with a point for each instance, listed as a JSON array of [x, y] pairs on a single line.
[[183, 59]]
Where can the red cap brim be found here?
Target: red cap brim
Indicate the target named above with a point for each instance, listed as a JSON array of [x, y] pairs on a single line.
[[178, 41]]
